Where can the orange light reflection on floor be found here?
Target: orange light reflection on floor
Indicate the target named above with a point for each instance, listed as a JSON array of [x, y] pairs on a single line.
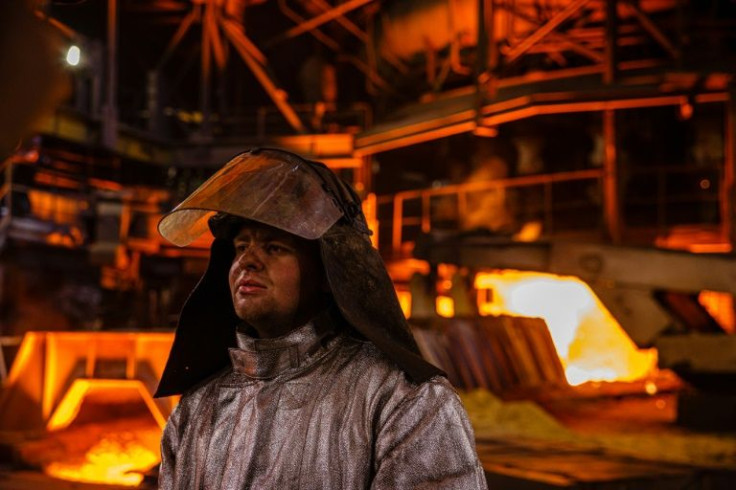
[[591, 344]]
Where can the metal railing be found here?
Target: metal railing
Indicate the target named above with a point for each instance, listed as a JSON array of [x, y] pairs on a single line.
[[461, 192]]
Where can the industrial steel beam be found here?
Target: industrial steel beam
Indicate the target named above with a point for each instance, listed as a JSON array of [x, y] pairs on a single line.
[[317, 21], [235, 29], [110, 114], [215, 41], [610, 67], [351, 27], [560, 37], [181, 31], [335, 46], [462, 117], [204, 86], [611, 206], [653, 30], [728, 186], [279, 97], [543, 31], [319, 35]]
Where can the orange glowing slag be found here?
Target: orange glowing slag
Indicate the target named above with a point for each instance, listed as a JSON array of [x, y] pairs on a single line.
[[591, 344], [116, 461]]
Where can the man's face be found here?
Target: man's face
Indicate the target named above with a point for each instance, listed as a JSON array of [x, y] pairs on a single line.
[[276, 279]]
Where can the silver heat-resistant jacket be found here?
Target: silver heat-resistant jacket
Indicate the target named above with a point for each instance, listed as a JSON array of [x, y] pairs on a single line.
[[319, 411]]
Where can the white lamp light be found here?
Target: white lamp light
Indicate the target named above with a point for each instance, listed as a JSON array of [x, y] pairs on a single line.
[[73, 55]]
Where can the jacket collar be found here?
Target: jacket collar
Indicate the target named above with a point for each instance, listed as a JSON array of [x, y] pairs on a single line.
[[268, 358]]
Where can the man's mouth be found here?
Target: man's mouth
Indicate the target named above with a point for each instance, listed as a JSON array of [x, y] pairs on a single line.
[[250, 286]]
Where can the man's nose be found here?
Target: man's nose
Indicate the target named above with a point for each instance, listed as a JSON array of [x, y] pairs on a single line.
[[250, 259]]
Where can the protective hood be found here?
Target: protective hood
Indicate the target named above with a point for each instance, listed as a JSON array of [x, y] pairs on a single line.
[[281, 192], [306, 199]]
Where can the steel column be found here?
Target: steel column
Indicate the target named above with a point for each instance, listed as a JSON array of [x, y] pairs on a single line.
[[110, 113], [204, 88], [611, 56], [728, 190], [611, 207]]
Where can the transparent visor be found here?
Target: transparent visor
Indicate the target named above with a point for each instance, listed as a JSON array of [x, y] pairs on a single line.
[[269, 187]]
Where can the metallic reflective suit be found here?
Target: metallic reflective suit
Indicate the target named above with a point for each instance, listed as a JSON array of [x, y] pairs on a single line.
[[318, 410]]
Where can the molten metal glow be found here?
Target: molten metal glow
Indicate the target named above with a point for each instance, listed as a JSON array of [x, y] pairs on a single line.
[[118, 461], [445, 306], [69, 406], [721, 307], [405, 302], [591, 344]]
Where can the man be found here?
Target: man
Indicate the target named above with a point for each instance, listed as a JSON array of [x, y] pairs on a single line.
[[296, 365]]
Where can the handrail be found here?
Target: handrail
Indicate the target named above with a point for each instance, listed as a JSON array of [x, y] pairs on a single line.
[[462, 190]]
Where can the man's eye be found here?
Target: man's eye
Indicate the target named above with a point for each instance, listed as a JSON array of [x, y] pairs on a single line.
[[240, 247], [274, 248]]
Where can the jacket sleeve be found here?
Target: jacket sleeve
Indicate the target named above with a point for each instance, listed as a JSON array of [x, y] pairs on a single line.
[[169, 444], [427, 442]]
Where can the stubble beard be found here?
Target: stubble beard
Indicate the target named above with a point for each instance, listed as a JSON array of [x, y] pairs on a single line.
[[265, 318]]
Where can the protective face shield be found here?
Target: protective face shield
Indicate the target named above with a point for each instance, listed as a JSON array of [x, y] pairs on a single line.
[[306, 199], [280, 192]]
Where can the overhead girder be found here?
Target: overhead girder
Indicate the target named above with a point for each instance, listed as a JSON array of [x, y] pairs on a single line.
[[461, 115], [215, 23], [333, 45], [323, 18], [520, 29]]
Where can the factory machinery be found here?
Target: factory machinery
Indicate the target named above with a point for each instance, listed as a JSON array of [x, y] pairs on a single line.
[[381, 93], [653, 294]]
